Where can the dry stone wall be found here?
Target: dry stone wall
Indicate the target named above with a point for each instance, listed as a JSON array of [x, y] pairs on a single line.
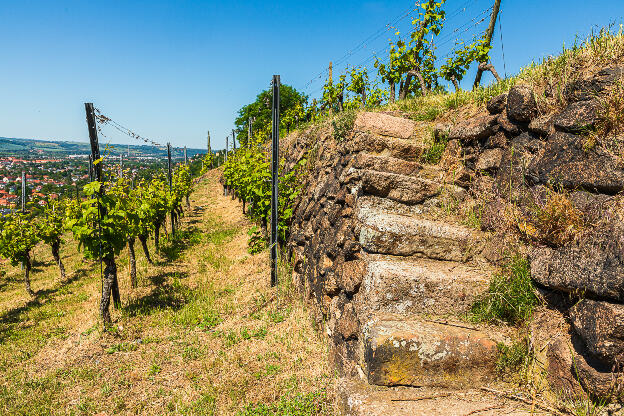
[[387, 277]]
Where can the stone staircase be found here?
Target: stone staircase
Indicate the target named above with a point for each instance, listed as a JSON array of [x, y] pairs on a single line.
[[417, 352], [392, 276]]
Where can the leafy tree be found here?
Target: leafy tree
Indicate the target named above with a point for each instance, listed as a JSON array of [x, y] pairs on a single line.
[[333, 94], [147, 213], [420, 55], [107, 238], [260, 110], [358, 84], [129, 207], [51, 225], [393, 71], [18, 236]]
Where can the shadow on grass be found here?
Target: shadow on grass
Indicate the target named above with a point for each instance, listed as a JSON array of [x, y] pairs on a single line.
[[173, 246], [13, 320], [160, 278], [170, 296]]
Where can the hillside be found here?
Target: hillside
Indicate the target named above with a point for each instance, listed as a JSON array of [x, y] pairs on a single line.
[[203, 334], [57, 148]]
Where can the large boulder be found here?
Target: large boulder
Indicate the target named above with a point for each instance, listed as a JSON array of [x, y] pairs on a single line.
[[385, 125], [521, 105], [588, 89], [497, 104], [565, 161], [473, 129], [571, 368], [601, 325], [542, 126], [594, 265], [578, 117], [489, 160]]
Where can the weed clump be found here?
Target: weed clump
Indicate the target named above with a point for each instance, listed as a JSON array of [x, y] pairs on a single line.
[[513, 358], [510, 298], [343, 124], [554, 222], [435, 148]]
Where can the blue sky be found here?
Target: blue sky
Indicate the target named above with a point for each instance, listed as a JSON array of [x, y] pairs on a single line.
[[171, 70]]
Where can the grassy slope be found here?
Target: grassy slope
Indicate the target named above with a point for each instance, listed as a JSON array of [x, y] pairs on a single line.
[[201, 335]]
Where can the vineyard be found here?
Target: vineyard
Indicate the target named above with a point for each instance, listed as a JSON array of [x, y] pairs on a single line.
[[397, 236], [111, 217]]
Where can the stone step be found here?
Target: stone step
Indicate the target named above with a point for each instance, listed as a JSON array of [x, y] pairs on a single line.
[[385, 125], [397, 187], [419, 286], [371, 203], [401, 351], [405, 149], [388, 164], [402, 235], [360, 399]]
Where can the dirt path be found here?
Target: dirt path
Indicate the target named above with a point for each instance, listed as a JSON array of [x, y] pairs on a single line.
[[201, 335]]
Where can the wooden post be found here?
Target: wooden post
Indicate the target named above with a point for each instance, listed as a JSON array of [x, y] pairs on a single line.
[[95, 146], [275, 108], [234, 139], [23, 192], [170, 179], [488, 38], [91, 172], [110, 285]]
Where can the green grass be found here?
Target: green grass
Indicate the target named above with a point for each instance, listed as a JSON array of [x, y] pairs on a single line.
[[435, 149], [511, 296], [513, 358], [311, 404]]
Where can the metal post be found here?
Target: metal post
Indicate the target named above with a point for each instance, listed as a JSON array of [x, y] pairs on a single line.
[[234, 139], [185, 156], [274, 176], [23, 192], [169, 177], [227, 139], [210, 151]]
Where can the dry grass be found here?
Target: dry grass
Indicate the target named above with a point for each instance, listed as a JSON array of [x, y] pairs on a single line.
[[201, 335], [553, 221]]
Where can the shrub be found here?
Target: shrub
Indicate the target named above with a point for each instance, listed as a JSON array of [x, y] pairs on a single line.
[[510, 298], [343, 124]]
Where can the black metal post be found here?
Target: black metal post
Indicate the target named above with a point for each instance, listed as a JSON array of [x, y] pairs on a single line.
[[227, 139], [234, 139], [23, 192], [210, 151], [275, 177], [170, 179]]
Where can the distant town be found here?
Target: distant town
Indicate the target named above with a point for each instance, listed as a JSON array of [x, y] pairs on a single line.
[[55, 169]]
